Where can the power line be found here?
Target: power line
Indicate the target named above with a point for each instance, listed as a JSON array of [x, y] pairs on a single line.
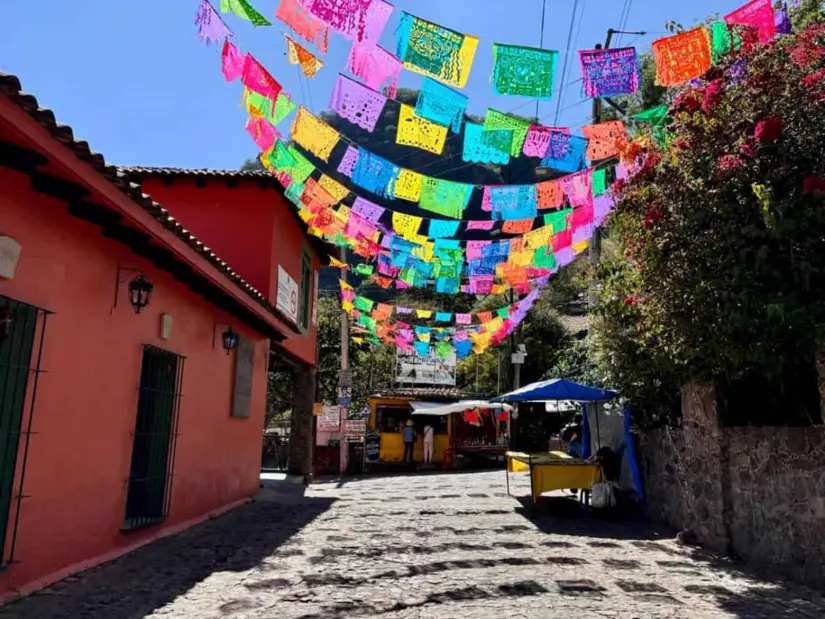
[[566, 59]]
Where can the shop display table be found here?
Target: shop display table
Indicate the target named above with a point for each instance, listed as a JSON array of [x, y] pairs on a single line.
[[549, 471]]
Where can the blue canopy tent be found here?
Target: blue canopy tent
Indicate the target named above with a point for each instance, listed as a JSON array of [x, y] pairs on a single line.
[[618, 435], [556, 389]]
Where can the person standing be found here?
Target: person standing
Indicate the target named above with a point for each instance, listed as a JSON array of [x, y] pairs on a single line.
[[408, 434], [429, 438]]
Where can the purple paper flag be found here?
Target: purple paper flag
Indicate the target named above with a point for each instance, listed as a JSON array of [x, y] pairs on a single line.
[[211, 27], [348, 161], [360, 105], [368, 210]]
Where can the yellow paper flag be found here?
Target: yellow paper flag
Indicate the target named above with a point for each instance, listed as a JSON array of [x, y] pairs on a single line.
[[419, 132], [424, 314], [314, 134], [406, 225], [408, 185], [333, 187]]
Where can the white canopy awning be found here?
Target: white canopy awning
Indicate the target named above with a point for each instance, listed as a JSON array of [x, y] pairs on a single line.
[[429, 408]]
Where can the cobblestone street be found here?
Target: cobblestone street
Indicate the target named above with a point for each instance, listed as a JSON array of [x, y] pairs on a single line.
[[414, 547]]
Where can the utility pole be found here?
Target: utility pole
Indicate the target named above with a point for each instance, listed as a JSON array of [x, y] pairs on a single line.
[[344, 378]]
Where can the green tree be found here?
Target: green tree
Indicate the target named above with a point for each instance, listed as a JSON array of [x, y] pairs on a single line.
[[723, 271]]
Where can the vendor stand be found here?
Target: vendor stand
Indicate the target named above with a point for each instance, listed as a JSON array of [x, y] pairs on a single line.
[[556, 470], [479, 430]]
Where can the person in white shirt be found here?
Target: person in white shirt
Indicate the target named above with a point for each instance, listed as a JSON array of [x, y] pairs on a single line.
[[428, 444]]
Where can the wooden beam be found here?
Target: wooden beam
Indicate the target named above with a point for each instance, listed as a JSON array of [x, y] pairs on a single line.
[[20, 159]]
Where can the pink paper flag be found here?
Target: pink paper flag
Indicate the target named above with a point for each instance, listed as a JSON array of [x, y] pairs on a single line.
[[257, 78], [232, 61], [376, 66], [463, 319], [481, 224], [757, 13], [538, 140], [356, 20], [474, 249], [262, 132], [579, 188]]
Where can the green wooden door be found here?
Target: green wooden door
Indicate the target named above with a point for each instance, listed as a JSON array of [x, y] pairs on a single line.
[[154, 438], [18, 323]]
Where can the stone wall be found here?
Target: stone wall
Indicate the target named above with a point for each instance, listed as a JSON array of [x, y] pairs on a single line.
[[758, 493]]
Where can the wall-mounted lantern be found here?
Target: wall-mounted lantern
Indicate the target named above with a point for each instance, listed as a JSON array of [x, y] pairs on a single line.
[[140, 289], [229, 339]]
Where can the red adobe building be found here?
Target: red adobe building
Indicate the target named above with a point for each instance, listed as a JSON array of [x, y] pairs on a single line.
[[133, 351]]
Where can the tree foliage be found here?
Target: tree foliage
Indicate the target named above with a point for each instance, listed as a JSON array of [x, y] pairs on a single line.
[[723, 230]]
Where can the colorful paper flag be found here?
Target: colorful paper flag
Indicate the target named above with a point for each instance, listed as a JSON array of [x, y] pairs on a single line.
[[314, 134], [211, 27], [477, 151], [352, 18], [376, 66], [374, 173], [348, 162], [262, 132], [440, 104], [232, 61], [443, 228], [565, 152], [604, 139], [758, 14], [407, 186], [406, 225], [549, 195], [244, 10], [437, 52], [445, 197], [309, 28], [257, 79], [333, 187], [274, 112], [495, 120], [419, 132], [683, 57], [524, 71], [356, 103], [610, 72], [297, 54]]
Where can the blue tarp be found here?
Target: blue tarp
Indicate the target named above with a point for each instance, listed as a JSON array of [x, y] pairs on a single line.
[[556, 389]]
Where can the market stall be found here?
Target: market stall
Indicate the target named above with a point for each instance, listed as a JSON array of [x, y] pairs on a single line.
[[479, 430], [558, 471]]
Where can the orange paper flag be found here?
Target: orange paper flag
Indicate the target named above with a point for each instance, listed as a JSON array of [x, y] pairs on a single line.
[[683, 57], [604, 140], [297, 54]]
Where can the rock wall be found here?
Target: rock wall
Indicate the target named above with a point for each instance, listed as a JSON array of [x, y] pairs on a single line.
[[758, 493]]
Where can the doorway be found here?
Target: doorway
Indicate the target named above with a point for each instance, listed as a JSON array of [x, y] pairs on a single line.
[[155, 437]]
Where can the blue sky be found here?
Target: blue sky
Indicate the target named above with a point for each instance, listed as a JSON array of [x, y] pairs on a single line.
[[133, 79]]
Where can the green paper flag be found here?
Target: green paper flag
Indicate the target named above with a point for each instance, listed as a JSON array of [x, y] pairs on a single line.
[[443, 349], [653, 116], [558, 220], [244, 10], [364, 269], [599, 181], [363, 304]]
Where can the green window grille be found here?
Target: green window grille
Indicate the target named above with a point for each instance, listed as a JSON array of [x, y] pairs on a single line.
[[22, 333], [155, 439], [306, 289]]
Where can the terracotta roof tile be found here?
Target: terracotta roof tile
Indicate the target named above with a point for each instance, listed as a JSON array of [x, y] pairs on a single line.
[[11, 87]]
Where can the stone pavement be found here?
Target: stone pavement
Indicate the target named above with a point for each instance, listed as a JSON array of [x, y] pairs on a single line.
[[429, 547]]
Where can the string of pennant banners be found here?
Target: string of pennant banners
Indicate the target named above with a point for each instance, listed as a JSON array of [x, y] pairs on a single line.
[[394, 244]]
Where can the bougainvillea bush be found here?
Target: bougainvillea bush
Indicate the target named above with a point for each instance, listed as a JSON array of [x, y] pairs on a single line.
[[722, 228]]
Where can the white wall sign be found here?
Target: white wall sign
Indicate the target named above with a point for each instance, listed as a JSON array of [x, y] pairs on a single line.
[[330, 418], [287, 301], [9, 256], [413, 369]]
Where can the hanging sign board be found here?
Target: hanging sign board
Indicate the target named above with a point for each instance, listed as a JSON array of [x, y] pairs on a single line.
[[414, 369], [372, 448], [287, 301], [330, 418], [355, 429]]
